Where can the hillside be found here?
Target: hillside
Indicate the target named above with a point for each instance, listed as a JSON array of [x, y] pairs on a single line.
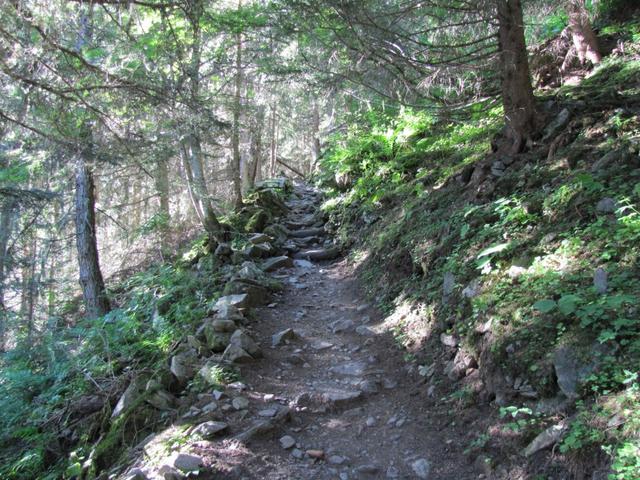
[[320, 240]]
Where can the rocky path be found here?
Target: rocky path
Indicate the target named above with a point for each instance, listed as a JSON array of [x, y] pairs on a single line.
[[355, 413], [331, 397]]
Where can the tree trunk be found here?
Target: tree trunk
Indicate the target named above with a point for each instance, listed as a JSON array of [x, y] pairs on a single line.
[[6, 227], [235, 135], [256, 146], [517, 93], [274, 138], [91, 280], [161, 178], [583, 37], [315, 137], [192, 159]]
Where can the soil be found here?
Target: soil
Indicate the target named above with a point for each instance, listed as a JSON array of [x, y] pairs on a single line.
[[356, 412]]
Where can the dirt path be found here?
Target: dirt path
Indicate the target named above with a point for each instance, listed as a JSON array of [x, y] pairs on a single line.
[[355, 412]]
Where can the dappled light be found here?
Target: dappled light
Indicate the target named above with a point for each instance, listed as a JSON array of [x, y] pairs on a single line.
[[320, 240]]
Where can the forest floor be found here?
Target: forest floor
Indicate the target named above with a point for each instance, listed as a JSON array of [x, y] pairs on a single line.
[[355, 410]]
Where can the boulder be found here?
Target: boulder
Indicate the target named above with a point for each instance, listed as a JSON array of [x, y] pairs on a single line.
[[573, 366], [235, 354], [260, 250], [556, 125], [236, 301], [456, 368], [126, 400], [223, 250], [275, 263], [208, 430], [182, 365], [256, 293], [319, 254], [259, 238], [216, 341], [546, 439], [160, 398], [245, 342]]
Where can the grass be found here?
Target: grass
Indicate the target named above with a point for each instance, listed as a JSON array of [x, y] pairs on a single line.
[[533, 244]]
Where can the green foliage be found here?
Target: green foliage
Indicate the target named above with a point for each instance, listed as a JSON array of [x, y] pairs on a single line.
[[157, 307]]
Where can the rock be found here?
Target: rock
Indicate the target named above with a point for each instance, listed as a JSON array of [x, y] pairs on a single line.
[[302, 264], [319, 254], [261, 250], [556, 125], [448, 284], [339, 397], [216, 341], [275, 263], [365, 331], [237, 301], [369, 386], [297, 453], [498, 168], [136, 474], [256, 293], [126, 400], [472, 290], [160, 398], [246, 343], [223, 250], [217, 394], [287, 442], [389, 384], [393, 472], [208, 430], [259, 238], [321, 345], [223, 326], [307, 232], [421, 468], [609, 158], [282, 337], [336, 460], [240, 403], [167, 472], [229, 312], [448, 340], [354, 369], [457, 368], [606, 205], [187, 463], [182, 366], [368, 469], [268, 412], [370, 422], [600, 280], [546, 439], [314, 453], [573, 367], [236, 354], [342, 325]]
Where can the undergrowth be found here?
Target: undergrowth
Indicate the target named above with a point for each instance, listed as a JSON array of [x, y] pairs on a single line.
[[529, 248]]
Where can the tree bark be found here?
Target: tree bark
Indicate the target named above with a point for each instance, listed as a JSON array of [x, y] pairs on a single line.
[[161, 179], [256, 146], [517, 92], [91, 281], [7, 214], [274, 138], [236, 168], [582, 34], [315, 137]]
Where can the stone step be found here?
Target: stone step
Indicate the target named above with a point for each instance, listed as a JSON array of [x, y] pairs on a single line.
[[319, 254]]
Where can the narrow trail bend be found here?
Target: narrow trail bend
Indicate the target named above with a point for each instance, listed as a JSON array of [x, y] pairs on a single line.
[[354, 411]]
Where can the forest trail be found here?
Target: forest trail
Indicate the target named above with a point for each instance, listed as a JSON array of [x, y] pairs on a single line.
[[344, 405]]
